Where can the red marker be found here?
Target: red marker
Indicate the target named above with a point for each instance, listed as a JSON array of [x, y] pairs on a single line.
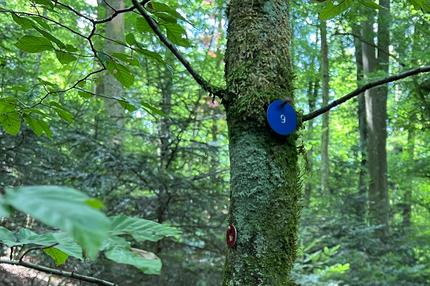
[[231, 236]]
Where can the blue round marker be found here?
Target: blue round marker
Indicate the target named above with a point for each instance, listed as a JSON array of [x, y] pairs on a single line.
[[282, 117]]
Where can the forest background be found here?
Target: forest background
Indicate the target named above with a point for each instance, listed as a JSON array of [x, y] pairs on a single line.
[[148, 141]]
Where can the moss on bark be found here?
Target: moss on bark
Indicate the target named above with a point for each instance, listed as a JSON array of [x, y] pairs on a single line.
[[265, 189]]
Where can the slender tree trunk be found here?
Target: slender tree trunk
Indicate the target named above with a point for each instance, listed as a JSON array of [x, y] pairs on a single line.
[[325, 163], [110, 85], [362, 126], [376, 116], [407, 196], [313, 87], [265, 192]]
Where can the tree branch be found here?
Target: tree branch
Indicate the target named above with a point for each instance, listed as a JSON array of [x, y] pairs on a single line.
[[216, 91], [117, 12], [363, 88], [58, 272], [36, 248]]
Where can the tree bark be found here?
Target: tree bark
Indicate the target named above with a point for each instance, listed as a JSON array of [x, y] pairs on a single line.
[[361, 199], [110, 85], [325, 163], [265, 192], [376, 117], [407, 195], [313, 86]]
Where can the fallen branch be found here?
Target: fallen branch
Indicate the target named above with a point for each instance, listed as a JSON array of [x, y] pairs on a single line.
[[58, 272], [363, 88]]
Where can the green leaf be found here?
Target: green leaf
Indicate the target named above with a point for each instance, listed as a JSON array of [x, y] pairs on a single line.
[[177, 35], [95, 203], [38, 126], [57, 255], [152, 55], [126, 59], [70, 48], [85, 94], [51, 37], [67, 245], [33, 44], [24, 22], [47, 3], [62, 111], [34, 124], [162, 7], [151, 109], [121, 73], [424, 5], [331, 10], [63, 208], [42, 22], [46, 128], [7, 104], [27, 237], [141, 229], [146, 262], [7, 237], [11, 122], [130, 39], [43, 2], [127, 105], [166, 17], [64, 114], [65, 58], [142, 26]]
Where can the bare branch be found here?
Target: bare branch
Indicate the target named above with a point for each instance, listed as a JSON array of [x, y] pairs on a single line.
[[365, 87], [117, 12], [69, 88], [58, 272], [76, 12], [197, 77], [360, 38], [35, 248]]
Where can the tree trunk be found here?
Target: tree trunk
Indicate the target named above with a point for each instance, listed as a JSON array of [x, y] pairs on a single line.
[[376, 116], [313, 86], [361, 199], [110, 85], [325, 163], [407, 196], [265, 192]]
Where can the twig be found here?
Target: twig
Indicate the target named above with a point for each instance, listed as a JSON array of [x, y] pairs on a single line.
[[365, 87], [77, 13], [197, 77], [3, 10], [370, 44], [69, 88], [36, 248], [58, 272]]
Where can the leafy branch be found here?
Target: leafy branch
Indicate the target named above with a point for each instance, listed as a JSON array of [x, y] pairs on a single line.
[[85, 231], [213, 90]]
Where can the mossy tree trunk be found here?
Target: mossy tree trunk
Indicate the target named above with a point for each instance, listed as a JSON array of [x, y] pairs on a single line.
[[264, 204]]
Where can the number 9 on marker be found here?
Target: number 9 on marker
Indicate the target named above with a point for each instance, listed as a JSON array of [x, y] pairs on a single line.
[[282, 117]]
